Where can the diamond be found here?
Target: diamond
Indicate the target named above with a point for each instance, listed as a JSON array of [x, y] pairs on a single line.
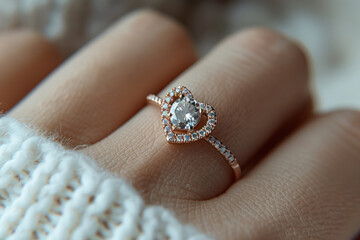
[[223, 149], [187, 99], [184, 114], [185, 91], [231, 159], [208, 108], [212, 139], [211, 121], [170, 137], [165, 121], [167, 128], [179, 138], [218, 144], [208, 128], [194, 136], [187, 137], [227, 154], [178, 89], [165, 113], [168, 99], [212, 114], [165, 105], [172, 93], [202, 133]]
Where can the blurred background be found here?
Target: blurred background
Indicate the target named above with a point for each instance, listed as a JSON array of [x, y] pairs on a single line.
[[328, 29]]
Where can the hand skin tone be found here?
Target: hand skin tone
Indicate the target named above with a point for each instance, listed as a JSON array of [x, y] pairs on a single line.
[[302, 169]]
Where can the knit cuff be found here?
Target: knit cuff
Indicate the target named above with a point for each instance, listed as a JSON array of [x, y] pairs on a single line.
[[49, 192]]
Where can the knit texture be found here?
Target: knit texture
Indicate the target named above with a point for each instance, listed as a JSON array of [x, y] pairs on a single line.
[[53, 193]]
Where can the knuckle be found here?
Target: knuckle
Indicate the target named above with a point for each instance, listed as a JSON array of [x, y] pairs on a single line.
[[148, 18], [268, 45], [262, 36], [157, 26], [348, 123], [146, 15], [31, 40]]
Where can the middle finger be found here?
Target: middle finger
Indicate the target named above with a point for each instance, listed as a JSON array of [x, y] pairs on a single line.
[[88, 97]]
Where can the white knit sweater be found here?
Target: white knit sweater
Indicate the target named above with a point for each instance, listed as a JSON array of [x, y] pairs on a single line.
[[53, 193]]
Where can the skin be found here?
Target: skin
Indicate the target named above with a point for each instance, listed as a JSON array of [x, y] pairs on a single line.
[[302, 169]]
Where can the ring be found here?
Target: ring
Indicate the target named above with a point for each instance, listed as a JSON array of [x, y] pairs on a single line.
[[181, 116]]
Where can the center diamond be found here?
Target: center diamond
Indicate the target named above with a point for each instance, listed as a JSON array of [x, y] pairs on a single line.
[[184, 114]]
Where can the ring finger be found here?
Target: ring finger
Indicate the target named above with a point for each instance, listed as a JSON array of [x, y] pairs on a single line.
[[256, 80]]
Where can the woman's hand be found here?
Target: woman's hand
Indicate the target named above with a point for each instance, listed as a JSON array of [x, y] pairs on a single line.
[[302, 170]]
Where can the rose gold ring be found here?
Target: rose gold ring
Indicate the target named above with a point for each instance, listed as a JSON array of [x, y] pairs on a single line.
[[180, 118]]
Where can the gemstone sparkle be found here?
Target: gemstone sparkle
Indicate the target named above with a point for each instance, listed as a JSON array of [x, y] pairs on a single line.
[[184, 114]]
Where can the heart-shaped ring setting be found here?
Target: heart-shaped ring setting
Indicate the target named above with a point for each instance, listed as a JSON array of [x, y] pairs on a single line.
[[181, 115], [181, 120]]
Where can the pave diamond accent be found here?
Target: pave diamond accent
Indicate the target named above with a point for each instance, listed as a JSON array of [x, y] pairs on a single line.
[[170, 137], [227, 154], [212, 121], [168, 128], [194, 136], [165, 121], [222, 149], [179, 138], [218, 145]]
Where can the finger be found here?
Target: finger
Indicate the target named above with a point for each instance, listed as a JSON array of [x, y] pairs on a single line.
[[255, 80], [25, 59], [309, 186], [106, 82]]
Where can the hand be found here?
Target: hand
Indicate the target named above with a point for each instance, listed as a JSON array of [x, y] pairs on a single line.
[[302, 169]]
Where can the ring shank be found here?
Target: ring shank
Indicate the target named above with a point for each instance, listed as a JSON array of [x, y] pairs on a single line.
[[219, 146], [229, 157]]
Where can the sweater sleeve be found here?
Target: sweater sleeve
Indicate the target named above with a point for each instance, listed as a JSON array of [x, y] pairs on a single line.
[[47, 192]]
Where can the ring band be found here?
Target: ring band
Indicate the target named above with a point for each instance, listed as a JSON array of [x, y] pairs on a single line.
[[180, 117]]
